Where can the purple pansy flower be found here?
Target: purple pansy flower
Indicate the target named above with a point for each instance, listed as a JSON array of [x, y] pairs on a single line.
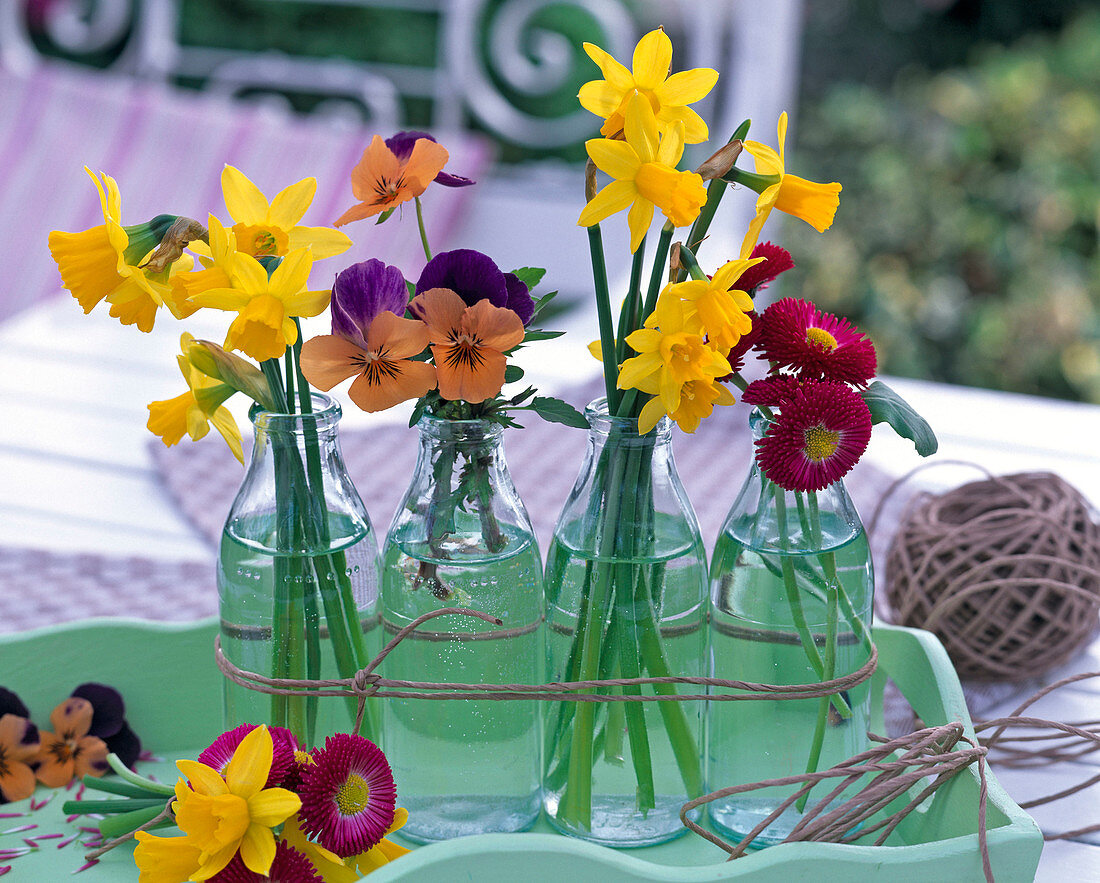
[[360, 293], [401, 145], [473, 276], [109, 721]]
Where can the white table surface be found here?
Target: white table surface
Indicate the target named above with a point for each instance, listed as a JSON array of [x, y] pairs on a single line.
[[77, 474]]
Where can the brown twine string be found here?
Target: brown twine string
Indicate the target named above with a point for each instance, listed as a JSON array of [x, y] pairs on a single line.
[[1005, 571], [366, 684]]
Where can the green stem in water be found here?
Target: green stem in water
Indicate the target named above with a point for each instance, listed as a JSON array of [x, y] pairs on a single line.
[[423, 232], [831, 625]]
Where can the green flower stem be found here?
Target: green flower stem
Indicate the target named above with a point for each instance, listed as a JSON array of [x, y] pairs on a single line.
[[630, 319], [608, 346], [629, 406], [122, 823], [831, 625], [753, 181], [123, 804], [576, 802], [790, 584], [128, 775], [687, 259], [423, 232], [113, 786]]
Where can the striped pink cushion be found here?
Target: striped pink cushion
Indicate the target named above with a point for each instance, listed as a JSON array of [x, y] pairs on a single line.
[[166, 148]]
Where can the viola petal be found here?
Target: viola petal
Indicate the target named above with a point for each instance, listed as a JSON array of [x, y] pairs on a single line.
[[402, 143], [109, 711], [473, 276], [10, 703], [449, 180], [427, 160], [397, 336], [329, 359], [461, 380], [377, 163], [361, 292], [441, 310], [519, 298], [72, 718], [90, 758], [397, 382], [496, 328]]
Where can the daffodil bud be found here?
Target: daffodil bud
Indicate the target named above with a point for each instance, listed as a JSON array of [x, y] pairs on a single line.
[[589, 180], [232, 370], [175, 239], [721, 161]]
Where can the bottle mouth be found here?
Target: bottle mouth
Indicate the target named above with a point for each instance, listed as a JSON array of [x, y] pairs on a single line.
[[602, 422], [326, 412], [478, 429]]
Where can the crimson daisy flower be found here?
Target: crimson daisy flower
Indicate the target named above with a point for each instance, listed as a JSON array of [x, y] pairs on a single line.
[[818, 345], [820, 433], [348, 795], [772, 391], [283, 742], [290, 866], [776, 260]]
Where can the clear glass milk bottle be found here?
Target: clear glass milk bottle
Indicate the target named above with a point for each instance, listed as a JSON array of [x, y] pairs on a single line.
[[461, 538]]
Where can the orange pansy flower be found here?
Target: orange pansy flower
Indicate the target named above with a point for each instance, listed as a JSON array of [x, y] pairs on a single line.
[[468, 343], [69, 752], [18, 747], [387, 375], [381, 181]]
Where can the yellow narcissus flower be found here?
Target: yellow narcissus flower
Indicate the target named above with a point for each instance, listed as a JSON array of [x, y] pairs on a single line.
[[264, 327], [194, 411], [644, 169], [669, 357], [220, 816], [263, 228], [714, 308], [814, 203], [104, 263], [667, 95]]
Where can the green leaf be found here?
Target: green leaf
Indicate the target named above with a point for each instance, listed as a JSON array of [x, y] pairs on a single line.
[[556, 411], [513, 373], [536, 334], [385, 216], [530, 276], [412, 288], [887, 406], [418, 410]]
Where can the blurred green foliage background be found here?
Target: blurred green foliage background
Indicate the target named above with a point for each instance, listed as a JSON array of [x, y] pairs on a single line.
[[966, 243]]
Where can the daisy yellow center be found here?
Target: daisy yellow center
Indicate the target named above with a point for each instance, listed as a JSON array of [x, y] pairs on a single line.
[[821, 337], [820, 443], [353, 796]]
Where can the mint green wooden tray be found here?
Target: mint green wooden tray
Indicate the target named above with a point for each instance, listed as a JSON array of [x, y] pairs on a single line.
[[173, 695]]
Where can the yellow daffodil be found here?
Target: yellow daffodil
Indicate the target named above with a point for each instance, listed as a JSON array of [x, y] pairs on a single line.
[[194, 411], [217, 266], [814, 203], [220, 816], [265, 305], [669, 357], [667, 95], [714, 308], [334, 869], [385, 851], [697, 401], [644, 169], [263, 228], [104, 263]]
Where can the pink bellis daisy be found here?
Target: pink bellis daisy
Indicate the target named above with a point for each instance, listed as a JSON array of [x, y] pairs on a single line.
[[776, 260], [290, 866], [820, 433], [819, 346], [284, 745], [348, 795]]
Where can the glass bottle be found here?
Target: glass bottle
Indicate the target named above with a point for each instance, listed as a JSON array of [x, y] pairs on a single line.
[[626, 598], [461, 538], [298, 574], [791, 592]]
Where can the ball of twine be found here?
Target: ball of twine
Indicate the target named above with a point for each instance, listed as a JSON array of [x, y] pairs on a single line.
[[1005, 571]]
